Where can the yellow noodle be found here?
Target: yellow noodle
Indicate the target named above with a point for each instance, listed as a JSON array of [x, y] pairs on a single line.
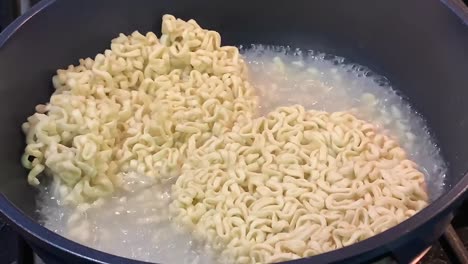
[[317, 181], [137, 106]]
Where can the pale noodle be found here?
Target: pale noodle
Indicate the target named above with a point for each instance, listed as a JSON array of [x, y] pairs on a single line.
[[141, 106], [294, 184]]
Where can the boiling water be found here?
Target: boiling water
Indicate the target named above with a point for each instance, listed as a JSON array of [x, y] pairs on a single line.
[[135, 223], [323, 82]]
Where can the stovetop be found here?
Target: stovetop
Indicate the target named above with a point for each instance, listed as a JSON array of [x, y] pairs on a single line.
[[451, 248]]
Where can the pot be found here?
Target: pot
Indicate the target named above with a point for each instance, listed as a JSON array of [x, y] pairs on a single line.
[[421, 46]]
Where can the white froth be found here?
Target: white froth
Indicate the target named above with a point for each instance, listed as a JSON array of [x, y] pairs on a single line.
[[135, 222], [324, 82]]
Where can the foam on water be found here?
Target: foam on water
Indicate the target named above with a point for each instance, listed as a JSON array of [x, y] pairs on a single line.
[[324, 82], [135, 222]]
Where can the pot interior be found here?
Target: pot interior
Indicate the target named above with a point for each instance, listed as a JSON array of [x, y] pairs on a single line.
[[420, 46]]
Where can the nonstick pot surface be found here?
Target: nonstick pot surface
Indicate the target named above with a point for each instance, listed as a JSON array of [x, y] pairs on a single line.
[[420, 46]]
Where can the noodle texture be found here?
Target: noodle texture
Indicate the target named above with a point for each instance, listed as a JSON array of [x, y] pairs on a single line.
[[294, 184], [179, 111], [140, 106]]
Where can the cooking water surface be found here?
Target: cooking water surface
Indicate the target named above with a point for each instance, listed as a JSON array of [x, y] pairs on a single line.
[[135, 222]]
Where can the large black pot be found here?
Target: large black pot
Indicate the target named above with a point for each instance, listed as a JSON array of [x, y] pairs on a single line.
[[420, 45]]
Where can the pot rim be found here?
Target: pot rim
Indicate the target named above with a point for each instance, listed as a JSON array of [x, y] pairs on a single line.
[[374, 246]]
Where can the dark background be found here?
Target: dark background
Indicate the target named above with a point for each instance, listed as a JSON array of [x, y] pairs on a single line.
[[7, 12], [9, 9]]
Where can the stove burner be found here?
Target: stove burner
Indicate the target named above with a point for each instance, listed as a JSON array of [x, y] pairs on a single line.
[[420, 256]]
